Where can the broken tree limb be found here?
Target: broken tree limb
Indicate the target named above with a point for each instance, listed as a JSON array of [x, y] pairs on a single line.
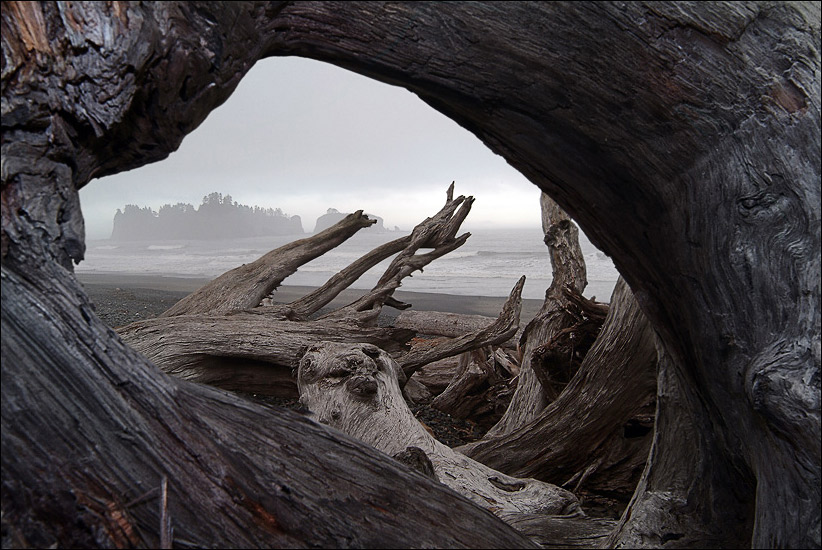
[[245, 287], [562, 239], [569, 276], [497, 332], [437, 233], [434, 232], [315, 300], [355, 388], [437, 375], [367, 308], [506, 361]]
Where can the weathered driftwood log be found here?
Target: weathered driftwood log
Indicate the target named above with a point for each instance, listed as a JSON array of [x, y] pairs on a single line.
[[243, 351], [692, 158], [440, 323], [583, 437], [254, 348], [239, 474], [355, 388], [255, 351], [569, 275]]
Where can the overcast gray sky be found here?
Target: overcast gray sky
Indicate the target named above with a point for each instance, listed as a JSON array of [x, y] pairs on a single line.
[[306, 136]]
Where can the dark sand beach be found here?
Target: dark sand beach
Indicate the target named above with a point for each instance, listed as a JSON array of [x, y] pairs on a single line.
[[122, 298]]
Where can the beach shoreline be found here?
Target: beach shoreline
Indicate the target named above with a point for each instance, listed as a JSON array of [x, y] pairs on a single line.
[[121, 298]]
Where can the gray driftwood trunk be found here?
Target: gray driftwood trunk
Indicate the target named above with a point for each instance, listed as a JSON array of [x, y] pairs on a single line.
[[569, 275], [684, 137], [586, 435]]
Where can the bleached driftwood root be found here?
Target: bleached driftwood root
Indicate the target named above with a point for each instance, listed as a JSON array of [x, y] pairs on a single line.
[[354, 388]]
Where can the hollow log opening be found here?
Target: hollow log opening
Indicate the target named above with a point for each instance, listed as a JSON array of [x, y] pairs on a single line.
[[684, 137]]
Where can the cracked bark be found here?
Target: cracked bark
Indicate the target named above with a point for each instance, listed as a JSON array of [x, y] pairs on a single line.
[[691, 156]]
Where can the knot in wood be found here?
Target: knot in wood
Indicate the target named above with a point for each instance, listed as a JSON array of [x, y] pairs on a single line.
[[363, 387]]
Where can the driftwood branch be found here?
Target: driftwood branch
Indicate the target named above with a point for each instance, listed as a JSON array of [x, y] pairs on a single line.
[[245, 287], [496, 333], [314, 301], [440, 323], [166, 531], [472, 371], [556, 361], [436, 232]]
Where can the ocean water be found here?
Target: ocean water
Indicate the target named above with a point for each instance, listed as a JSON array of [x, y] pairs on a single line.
[[488, 264]]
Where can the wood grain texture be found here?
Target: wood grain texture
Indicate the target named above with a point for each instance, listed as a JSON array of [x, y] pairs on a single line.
[[90, 426], [683, 137], [355, 388], [579, 438]]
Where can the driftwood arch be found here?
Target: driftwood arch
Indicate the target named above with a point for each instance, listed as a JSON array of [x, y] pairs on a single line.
[[684, 137]]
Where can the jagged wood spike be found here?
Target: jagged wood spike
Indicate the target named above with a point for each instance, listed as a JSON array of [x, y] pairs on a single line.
[[435, 232], [496, 333]]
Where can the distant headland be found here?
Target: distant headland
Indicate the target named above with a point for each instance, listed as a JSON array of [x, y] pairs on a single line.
[[218, 217]]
